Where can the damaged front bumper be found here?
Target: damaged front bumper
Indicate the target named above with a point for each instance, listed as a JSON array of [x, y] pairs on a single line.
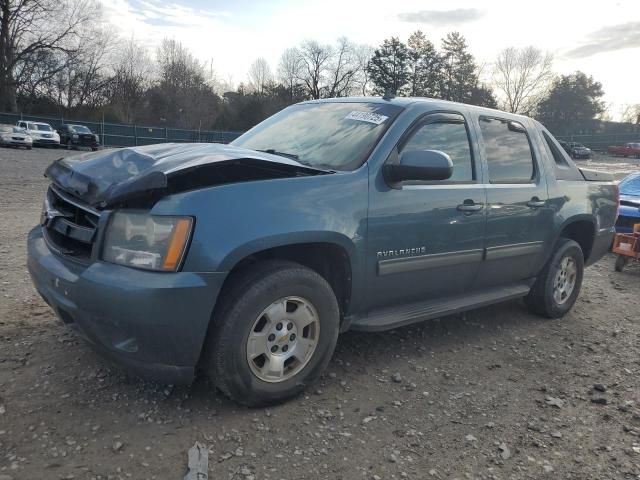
[[152, 324]]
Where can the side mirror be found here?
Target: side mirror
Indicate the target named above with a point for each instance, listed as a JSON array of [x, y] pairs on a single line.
[[419, 165]]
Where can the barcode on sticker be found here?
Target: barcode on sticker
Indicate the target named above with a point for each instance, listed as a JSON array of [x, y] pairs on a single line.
[[366, 117]]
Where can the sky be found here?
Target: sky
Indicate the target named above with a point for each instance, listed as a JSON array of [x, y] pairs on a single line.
[[600, 38]]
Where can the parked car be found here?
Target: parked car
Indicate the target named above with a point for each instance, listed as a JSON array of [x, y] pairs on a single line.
[[74, 136], [41, 133], [578, 151], [565, 146], [629, 210], [248, 259], [12, 136], [629, 150]]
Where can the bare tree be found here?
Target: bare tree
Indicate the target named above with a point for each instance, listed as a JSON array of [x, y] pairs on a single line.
[[181, 96], [289, 69], [342, 69], [314, 60], [33, 30], [363, 56], [522, 76], [86, 73], [631, 114], [260, 76], [132, 77]]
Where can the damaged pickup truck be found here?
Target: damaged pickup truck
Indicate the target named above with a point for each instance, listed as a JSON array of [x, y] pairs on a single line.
[[247, 260]]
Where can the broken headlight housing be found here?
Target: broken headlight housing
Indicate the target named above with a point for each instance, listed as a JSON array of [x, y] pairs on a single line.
[[150, 242]]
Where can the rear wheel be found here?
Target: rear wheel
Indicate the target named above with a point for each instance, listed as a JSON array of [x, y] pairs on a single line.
[[558, 285], [273, 334]]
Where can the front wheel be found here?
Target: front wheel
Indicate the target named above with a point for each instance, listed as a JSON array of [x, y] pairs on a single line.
[[273, 334], [558, 285]]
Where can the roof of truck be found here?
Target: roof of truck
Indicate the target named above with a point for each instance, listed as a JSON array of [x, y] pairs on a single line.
[[407, 101]]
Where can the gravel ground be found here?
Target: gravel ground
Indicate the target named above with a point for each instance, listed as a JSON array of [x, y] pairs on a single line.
[[495, 393]]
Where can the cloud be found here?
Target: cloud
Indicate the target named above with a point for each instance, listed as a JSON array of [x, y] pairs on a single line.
[[607, 39], [442, 17]]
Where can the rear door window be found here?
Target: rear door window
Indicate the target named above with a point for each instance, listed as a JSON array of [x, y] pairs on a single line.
[[507, 150]]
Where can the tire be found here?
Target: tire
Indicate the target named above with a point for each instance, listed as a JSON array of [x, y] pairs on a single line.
[[94, 149], [541, 298], [621, 262], [29, 148], [244, 303]]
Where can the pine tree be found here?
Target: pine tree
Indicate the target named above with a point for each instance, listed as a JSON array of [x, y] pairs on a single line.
[[572, 104], [425, 64], [389, 67], [459, 69]]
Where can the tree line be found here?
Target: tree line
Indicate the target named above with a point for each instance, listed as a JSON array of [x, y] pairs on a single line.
[[60, 57]]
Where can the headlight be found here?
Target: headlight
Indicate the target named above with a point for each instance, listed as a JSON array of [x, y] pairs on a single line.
[[6, 137], [28, 139], [75, 136], [147, 241]]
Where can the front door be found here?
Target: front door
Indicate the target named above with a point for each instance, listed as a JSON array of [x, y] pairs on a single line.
[[426, 239], [519, 218]]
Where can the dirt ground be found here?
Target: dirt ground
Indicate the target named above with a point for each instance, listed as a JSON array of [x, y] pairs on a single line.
[[495, 393]]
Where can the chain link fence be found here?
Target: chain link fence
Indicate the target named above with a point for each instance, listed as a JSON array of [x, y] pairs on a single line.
[[124, 135]]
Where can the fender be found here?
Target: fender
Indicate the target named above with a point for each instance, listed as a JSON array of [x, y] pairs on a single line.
[[290, 239]]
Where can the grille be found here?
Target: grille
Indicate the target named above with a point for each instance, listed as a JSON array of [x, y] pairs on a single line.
[[70, 227]]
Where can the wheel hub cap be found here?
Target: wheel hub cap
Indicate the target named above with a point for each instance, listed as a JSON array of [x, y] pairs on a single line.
[[282, 339], [564, 280]]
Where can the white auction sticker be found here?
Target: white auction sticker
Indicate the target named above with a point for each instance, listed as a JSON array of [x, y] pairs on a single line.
[[366, 117]]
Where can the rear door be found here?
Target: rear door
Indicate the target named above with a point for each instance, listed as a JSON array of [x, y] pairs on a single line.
[[519, 216], [425, 239]]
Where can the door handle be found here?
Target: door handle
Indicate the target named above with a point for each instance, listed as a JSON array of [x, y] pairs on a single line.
[[535, 202], [470, 206]]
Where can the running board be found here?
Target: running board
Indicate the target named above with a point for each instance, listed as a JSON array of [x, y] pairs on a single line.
[[399, 316]]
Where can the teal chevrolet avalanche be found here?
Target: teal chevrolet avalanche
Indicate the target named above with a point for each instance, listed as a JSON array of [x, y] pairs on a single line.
[[246, 260]]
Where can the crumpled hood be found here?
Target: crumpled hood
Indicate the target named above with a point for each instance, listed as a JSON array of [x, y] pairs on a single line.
[[110, 177]]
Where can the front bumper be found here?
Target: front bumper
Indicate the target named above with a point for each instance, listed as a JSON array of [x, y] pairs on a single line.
[[46, 141], [152, 324], [84, 143], [15, 143]]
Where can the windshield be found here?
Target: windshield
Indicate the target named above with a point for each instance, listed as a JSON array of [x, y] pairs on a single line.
[[630, 185], [79, 129], [42, 127], [338, 136]]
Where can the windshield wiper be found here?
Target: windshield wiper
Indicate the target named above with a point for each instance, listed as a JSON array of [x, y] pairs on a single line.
[[282, 154]]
